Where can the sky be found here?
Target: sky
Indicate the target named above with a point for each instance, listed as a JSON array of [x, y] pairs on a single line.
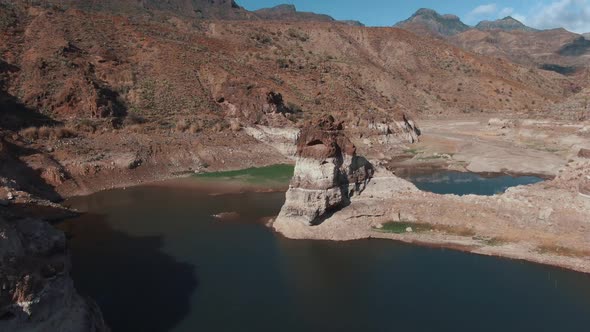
[[573, 15]]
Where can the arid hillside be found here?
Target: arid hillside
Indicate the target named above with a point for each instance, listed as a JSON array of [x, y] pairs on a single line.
[[185, 8], [71, 64], [555, 50], [89, 93]]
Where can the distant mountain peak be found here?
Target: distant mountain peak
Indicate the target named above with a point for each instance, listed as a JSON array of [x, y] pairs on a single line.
[[285, 8], [425, 11], [507, 23], [429, 20], [288, 12]]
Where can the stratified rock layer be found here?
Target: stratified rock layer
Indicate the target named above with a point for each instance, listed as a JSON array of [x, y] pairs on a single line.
[[327, 173]]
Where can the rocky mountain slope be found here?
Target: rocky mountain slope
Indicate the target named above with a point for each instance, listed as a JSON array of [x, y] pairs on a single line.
[[429, 22], [89, 93], [542, 49], [188, 8], [92, 93], [506, 24], [556, 50], [290, 13], [60, 64]]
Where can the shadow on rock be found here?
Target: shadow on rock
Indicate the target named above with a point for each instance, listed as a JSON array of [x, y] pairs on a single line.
[[28, 179], [15, 116]]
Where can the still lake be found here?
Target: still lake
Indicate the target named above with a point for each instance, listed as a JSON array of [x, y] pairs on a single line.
[[155, 259]]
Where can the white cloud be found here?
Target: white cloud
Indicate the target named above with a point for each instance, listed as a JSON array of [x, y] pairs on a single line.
[[519, 17], [506, 12], [573, 15], [482, 10]]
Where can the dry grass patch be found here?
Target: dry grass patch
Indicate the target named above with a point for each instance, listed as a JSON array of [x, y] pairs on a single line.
[[417, 227], [562, 251], [44, 132]]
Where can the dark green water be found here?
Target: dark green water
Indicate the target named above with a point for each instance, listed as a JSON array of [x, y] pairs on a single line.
[[265, 176], [458, 183], [155, 260]]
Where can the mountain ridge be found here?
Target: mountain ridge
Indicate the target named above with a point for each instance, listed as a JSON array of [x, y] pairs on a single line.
[[288, 12], [507, 23], [429, 21]]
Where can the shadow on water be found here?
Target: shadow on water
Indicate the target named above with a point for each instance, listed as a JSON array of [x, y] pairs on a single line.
[[130, 272], [136, 250]]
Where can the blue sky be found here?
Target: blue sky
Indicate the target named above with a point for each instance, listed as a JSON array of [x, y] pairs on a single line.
[[574, 15]]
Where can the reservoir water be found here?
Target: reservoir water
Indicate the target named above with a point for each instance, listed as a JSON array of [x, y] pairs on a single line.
[[459, 183], [155, 259]]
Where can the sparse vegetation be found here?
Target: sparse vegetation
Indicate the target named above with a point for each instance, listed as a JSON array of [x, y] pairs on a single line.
[[417, 227], [492, 241], [182, 125], [401, 227], [294, 108], [562, 251], [283, 63], [412, 151], [134, 119], [261, 38], [44, 132], [297, 34]]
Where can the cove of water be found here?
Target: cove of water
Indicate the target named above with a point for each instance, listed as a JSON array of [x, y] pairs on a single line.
[[458, 183], [155, 259]]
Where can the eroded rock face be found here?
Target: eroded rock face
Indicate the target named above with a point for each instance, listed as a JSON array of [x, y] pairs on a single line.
[[384, 128], [327, 173], [36, 291], [584, 153]]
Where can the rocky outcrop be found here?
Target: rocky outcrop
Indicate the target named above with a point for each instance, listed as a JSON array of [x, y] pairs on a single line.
[[288, 12], [36, 291], [382, 131], [281, 139], [584, 153], [327, 173], [404, 127]]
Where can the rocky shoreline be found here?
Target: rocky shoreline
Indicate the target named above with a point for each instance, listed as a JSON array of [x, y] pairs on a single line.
[[545, 223], [37, 292]]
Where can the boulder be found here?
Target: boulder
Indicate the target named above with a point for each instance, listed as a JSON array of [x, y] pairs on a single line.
[[584, 153], [37, 293]]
